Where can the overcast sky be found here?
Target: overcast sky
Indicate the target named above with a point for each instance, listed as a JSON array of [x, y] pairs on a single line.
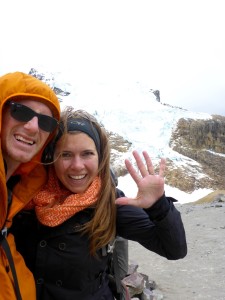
[[176, 46]]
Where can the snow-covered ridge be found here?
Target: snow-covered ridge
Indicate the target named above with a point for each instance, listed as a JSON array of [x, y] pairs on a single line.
[[129, 109]]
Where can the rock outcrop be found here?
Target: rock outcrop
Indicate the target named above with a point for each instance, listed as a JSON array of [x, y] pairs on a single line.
[[203, 141], [49, 79]]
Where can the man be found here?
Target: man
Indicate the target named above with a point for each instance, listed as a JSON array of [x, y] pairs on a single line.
[[29, 114]]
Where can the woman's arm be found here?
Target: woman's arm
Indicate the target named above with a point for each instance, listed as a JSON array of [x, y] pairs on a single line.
[[151, 218], [159, 229]]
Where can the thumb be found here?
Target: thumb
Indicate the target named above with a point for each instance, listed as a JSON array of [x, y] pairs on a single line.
[[122, 201], [126, 201]]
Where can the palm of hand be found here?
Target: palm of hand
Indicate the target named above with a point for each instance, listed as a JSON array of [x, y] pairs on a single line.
[[150, 189], [150, 186]]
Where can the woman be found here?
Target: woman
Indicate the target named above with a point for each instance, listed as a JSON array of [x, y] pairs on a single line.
[[80, 212]]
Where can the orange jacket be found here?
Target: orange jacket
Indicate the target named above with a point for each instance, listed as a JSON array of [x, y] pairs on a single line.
[[33, 176]]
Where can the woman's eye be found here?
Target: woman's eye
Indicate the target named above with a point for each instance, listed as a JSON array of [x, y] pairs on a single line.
[[65, 155], [88, 153]]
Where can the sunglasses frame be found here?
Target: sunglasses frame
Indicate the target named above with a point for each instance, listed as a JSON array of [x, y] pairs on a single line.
[[23, 113]]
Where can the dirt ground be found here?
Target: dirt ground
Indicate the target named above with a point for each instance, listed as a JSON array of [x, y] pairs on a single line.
[[201, 274]]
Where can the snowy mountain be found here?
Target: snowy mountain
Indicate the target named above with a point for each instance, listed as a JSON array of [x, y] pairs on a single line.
[[131, 110]]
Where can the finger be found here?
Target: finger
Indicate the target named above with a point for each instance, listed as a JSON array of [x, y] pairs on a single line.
[[141, 166], [134, 174], [149, 164]]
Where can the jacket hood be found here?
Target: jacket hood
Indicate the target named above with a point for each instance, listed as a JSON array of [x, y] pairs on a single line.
[[21, 85]]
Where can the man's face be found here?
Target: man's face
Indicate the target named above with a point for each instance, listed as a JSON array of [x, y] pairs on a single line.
[[23, 140]]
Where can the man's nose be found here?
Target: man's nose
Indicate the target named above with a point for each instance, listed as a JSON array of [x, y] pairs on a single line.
[[32, 124]]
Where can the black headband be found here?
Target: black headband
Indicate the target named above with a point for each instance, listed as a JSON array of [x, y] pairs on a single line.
[[82, 125]]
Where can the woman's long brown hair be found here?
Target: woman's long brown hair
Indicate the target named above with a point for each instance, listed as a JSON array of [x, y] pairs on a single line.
[[102, 227]]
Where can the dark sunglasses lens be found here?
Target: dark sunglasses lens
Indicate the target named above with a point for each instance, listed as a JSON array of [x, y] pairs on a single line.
[[23, 113], [47, 123]]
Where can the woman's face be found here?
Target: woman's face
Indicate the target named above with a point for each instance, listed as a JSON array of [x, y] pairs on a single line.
[[77, 164]]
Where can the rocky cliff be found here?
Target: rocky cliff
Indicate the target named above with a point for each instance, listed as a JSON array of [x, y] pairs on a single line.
[[203, 141]]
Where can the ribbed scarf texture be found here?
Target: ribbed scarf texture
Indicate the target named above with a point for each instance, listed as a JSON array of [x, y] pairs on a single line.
[[55, 204]]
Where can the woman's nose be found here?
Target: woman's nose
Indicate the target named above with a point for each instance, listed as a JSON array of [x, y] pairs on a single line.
[[76, 163]]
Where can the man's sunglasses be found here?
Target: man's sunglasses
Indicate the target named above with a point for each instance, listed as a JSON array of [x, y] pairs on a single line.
[[23, 113]]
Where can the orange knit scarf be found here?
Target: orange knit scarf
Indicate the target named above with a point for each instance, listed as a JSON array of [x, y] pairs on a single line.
[[55, 204]]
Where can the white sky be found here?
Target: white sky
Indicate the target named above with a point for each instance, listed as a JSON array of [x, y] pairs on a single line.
[[176, 46]]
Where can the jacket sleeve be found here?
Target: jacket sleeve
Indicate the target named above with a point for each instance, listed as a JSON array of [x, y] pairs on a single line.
[[159, 228]]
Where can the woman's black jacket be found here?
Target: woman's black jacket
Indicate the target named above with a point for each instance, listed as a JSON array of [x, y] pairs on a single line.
[[59, 256]]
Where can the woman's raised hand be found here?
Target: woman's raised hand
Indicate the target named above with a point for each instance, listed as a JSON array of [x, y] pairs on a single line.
[[150, 185]]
